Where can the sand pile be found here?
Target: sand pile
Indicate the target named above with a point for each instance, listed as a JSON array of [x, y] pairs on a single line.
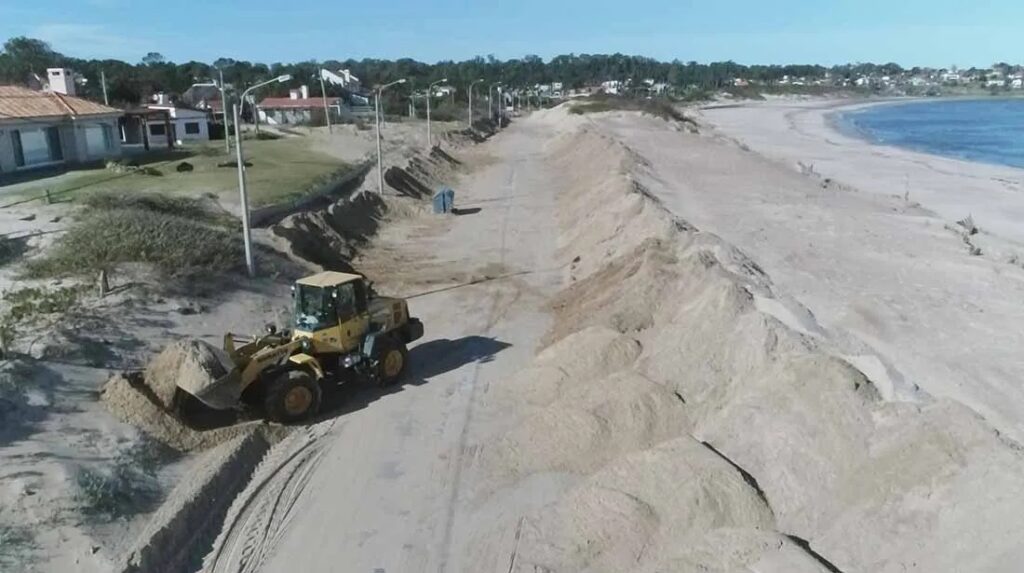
[[188, 363], [594, 421], [149, 400], [588, 354], [731, 438], [330, 238]]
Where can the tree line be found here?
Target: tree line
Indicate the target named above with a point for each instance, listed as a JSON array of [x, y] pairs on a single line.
[[132, 83]]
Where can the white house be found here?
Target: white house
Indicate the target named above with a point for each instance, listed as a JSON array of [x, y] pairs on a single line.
[[187, 125], [299, 108], [441, 91], [611, 87], [52, 128], [341, 78], [1017, 83]]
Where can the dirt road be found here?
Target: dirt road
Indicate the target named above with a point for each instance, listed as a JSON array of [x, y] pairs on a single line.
[[380, 489]]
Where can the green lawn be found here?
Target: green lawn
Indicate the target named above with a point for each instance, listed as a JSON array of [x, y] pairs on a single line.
[[281, 170]]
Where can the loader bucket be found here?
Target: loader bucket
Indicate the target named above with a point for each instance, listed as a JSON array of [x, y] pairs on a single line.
[[221, 393]]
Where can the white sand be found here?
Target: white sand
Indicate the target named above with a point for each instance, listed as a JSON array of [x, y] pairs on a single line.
[[884, 276], [687, 412]]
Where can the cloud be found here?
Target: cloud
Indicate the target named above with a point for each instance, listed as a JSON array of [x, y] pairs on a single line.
[[88, 41]]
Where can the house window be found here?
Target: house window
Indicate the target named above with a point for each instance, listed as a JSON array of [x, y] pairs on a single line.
[[36, 146], [99, 139], [157, 129], [192, 128]]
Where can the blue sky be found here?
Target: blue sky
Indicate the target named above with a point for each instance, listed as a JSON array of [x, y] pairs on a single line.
[[909, 32]]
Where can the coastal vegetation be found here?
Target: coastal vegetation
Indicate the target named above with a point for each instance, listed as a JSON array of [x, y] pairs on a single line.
[[129, 83]]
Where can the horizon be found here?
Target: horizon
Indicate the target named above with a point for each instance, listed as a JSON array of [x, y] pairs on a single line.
[[750, 34]]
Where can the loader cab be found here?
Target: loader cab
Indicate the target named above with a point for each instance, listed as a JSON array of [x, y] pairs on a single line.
[[331, 310]]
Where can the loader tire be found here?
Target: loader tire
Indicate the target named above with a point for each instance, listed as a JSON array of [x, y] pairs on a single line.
[[392, 360], [292, 396]]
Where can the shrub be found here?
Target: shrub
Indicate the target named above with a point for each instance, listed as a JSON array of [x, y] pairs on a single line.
[[127, 486], [656, 106], [175, 244], [15, 543], [189, 207]]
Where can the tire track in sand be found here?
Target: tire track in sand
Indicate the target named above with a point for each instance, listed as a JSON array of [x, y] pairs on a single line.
[[259, 516]]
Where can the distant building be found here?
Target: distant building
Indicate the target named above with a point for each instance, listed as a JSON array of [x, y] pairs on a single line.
[[204, 97], [612, 87], [441, 91], [341, 78], [1017, 83], [47, 128], [299, 108], [186, 124]]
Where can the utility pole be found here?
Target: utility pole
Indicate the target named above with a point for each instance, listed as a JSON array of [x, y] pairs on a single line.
[[250, 264], [103, 82], [323, 94]]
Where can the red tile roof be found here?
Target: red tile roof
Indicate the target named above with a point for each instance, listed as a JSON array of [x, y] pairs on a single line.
[[289, 103], [22, 103]]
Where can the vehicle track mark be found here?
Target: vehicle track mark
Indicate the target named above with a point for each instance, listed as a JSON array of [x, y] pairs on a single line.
[[260, 515]]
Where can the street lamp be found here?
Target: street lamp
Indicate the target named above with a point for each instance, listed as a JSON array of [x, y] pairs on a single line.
[[323, 95], [250, 264], [224, 108], [471, 101], [380, 155], [430, 92], [490, 99]]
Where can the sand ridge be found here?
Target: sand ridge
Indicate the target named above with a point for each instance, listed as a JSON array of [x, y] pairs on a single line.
[[732, 442]]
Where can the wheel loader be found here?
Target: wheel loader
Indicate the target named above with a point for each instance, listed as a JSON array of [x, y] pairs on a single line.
[[341, 329]]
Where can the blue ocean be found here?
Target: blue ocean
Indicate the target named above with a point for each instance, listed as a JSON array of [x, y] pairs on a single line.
[[986, 130]]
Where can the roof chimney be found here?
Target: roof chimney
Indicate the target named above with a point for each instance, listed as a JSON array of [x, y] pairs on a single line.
[[305, 92], [61, 81]]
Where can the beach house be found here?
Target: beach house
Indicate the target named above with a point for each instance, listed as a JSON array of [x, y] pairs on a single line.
[[52, 127]]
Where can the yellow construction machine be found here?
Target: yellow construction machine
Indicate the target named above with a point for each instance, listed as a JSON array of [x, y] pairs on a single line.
[[341, 329]]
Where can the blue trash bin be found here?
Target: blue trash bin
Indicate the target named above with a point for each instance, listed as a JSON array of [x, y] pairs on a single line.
[[444, 200]]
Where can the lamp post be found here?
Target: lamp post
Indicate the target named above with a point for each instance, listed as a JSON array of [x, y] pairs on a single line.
[[250, 263], [430, 92], [380, 155], [323, 96], [501, 103], [490, 99], [471, 101], [224, 106]]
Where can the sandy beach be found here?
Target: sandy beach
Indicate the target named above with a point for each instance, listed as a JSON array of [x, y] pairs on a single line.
[[716, 360], [865, 236]]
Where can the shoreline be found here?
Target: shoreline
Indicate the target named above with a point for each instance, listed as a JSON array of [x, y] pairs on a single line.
[[840, 120], [866, 236]]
